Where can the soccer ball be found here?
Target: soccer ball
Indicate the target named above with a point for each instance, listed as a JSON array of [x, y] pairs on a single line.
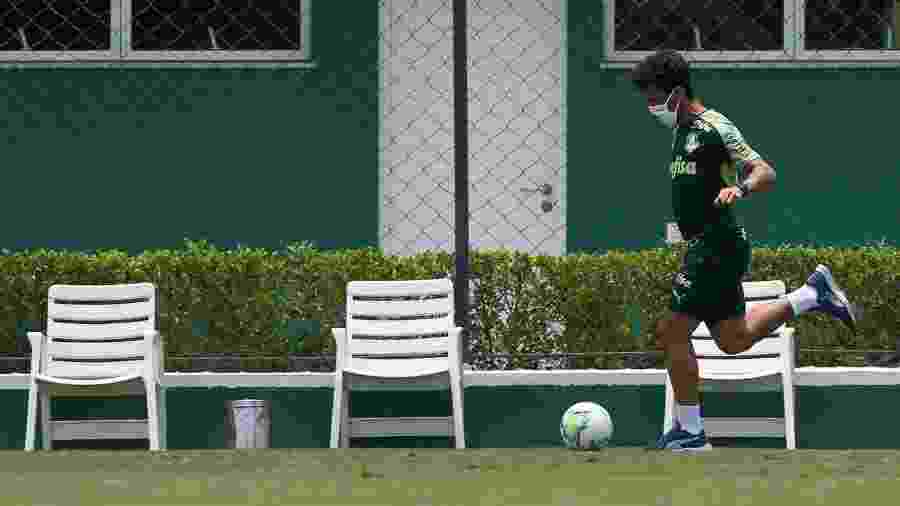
[[586, 426]]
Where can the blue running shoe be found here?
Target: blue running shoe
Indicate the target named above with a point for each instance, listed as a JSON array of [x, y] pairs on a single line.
[[680, 440], [832, 300]]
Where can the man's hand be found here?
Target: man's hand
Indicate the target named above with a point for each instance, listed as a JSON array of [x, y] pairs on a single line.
[[728, 196], [760, 178]]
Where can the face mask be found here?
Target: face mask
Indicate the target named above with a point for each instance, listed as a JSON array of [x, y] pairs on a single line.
[[663, 114]]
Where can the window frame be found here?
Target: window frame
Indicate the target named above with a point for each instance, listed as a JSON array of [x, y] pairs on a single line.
[[793, 50], [120, 47]]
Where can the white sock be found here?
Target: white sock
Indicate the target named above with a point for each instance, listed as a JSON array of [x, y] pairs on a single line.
[[803, 299], [689, 418]]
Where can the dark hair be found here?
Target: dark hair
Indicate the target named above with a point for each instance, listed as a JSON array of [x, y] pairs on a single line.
[[666, 70]]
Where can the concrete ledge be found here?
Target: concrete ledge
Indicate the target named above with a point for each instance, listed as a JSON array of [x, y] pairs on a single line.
[[805, 376]]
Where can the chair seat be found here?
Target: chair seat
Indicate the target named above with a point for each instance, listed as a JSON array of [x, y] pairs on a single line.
[[732, 370], [398, 369], [87, 382]]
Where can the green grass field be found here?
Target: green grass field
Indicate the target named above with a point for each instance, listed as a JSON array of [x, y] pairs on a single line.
[[728, 476]]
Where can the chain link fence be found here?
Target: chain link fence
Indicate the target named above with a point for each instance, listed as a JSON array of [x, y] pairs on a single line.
[[516, 137]]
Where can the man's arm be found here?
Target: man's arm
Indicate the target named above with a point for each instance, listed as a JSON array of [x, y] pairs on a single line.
[[760, 177]]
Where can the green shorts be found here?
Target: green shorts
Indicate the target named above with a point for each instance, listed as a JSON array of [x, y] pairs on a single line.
[[708, 285]]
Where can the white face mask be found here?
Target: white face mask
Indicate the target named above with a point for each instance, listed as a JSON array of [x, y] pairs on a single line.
[[663, 114]]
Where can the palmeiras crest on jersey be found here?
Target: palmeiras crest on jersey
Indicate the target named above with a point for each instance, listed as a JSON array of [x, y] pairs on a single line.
[[691, 143]]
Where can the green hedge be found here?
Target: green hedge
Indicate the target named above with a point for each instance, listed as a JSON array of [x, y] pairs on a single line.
[[524, 304]]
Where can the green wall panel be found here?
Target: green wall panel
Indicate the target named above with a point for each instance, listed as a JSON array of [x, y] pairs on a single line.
[[136, 158], [496, 417], [301, 418], [12, 424], [825, 130], [510, 417]]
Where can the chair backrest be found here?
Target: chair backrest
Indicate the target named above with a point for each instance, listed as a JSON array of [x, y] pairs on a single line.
[[399, 319], [767, 357], [96, 331]]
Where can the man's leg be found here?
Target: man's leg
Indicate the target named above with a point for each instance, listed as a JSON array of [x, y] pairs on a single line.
[[737, 334], [819, 293], [673, 334]]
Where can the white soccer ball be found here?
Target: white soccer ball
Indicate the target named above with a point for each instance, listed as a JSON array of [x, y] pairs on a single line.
[[586, 426]]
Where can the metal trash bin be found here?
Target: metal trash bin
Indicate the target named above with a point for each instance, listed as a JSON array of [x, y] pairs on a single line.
[[248, 423]]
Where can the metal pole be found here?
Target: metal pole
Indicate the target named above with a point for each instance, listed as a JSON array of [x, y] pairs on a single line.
[[461, 167]]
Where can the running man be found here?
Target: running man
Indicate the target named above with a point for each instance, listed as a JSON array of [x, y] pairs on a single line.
[[711, 168]]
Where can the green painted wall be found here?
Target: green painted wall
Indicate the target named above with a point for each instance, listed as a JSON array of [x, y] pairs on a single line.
[[141, 158], [133, 158], [496, 417], [827, 131]]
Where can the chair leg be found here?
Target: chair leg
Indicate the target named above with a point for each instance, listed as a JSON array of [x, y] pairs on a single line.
[[337, 412], [456, 394], [163, 434], [152, 414], [790, 428], [669, 409], [32, 422], [46, 418], [345, 420]]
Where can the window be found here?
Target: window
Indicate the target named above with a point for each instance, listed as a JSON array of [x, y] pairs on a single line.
[[755, 30], [850, 29], [48, 29], [154, 30], [705, 29], [216, 29]]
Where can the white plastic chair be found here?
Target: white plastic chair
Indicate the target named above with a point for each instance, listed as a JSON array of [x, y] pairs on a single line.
[[399, 335], [100, 341], [769, 360]]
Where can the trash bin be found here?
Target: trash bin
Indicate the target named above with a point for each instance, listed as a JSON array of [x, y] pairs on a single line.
[[248, 423]]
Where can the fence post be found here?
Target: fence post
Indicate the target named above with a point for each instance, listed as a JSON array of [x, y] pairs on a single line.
[[461, 169]]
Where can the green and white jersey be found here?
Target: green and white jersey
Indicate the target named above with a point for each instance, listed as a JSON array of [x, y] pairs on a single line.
[[707, 155]]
